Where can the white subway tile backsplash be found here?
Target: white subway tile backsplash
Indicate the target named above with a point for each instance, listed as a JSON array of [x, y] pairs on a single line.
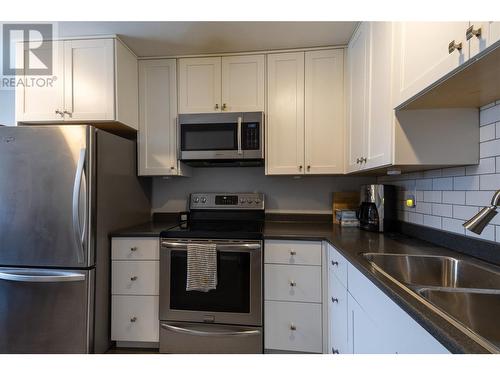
[[485, 166], [489, 115], [424, 184], [487, 133], [424, 208], [432, 196], [433, 173], [453, 225], [432, 221], [445, 210], [445, 198], [490, 182], [464, 212], [466, 183], [490, 148], [478, 198], [443, 183], [452, 172], [454, 197]]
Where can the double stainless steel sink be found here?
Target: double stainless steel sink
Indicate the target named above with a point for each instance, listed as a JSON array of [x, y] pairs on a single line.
[[465, 291]]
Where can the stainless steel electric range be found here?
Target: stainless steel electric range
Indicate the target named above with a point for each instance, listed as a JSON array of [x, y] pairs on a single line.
[[229, 318]]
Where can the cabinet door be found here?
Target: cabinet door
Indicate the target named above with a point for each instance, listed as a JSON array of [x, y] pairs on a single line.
[[243, 83], [40, 103], [358, 64], [285, 113], [324, 111], [157, 117], [200, 85], [89, 84], [337, 317], [380, 122], [422, 55], [485, 34]]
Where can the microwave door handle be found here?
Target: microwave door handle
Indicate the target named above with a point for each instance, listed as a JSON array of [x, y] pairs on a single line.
[[240, 151]]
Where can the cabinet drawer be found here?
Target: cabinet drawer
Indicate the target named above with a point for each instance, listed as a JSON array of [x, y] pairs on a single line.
[[337, 265], [134, 318], [292, 283], [135, 248], [280, 317], [293, 252], [140, 277]]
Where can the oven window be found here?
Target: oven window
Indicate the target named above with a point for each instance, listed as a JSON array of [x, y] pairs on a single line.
[[233, 284], [209, 137]]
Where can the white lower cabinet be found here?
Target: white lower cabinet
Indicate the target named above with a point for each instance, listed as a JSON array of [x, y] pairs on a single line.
[[135, 280], [338, 313], [293, 296]]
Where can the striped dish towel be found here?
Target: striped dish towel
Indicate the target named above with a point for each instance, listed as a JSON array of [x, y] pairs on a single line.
[[201, 267]]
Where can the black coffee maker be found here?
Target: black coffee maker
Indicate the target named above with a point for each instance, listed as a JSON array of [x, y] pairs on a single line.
[[377, 210]]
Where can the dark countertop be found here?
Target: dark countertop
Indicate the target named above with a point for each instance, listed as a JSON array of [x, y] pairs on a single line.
[[350, 242]]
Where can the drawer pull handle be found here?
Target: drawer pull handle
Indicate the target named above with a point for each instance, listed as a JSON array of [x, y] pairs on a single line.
[[133, 278], [335, 351], [334, 263], [293, 252], [133, 248], [293, 283], [335, 300], [293, 327], [133, 319]]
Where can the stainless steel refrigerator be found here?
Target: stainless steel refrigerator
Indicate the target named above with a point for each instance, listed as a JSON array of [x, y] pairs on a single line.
[[63, 189]]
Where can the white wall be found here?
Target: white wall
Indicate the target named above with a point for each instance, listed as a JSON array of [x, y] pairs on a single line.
[[309, 194], [447, 197]]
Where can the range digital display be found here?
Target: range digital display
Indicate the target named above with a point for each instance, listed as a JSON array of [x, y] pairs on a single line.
[[226, 200]]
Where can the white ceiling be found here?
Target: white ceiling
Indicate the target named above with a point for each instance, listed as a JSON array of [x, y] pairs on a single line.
[[185, 38]]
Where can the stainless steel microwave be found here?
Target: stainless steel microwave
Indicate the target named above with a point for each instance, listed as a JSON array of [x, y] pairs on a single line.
[[222, 137]]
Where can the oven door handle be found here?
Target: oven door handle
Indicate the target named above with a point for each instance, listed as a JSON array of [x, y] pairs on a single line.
[[195, 332], [240, 246]]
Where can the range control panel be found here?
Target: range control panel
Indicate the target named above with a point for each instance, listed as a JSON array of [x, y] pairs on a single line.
[[224, 201]]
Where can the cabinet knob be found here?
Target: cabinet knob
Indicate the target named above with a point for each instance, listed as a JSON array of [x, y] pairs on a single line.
[[358, 160], [224, 106], [300, 167], [335, 351], [308, 167], [334, 263], [217, 107], [454, 46], [472, 32], [70, 114], [335, 300], [133, 319], [293, 252], [363, 160], [172, 168], [133, 248], [293, 327], [60, 113], [133, 278], [293, 283]]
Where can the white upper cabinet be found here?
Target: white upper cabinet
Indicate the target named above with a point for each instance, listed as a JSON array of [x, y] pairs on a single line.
[[94, 80], [427, 51], [43, 103], [285, 113], [89, 79], [380, 121], [157, 117], [324, 111], [227, 84], [200, 85], [243, 83], [358, 64]]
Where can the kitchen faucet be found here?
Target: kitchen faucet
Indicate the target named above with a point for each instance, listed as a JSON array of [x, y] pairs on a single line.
[[479, 221]]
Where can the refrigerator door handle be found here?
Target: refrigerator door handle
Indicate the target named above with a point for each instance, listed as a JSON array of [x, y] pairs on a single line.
[[40, 276], [77, 228]]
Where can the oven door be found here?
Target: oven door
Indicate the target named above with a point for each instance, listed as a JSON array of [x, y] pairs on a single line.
[[238, 296]]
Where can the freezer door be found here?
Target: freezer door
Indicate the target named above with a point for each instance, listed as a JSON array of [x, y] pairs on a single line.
[[45, 311], [45, 196]]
